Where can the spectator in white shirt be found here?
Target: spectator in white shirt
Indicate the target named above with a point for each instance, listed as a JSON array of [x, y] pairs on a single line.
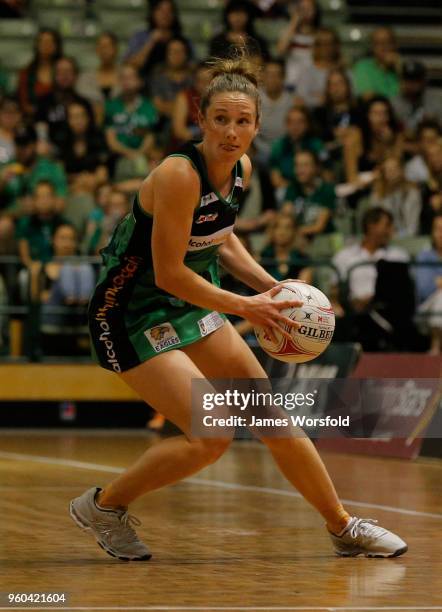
[[394, 193], [296, 41], [428, 134], [378, 230], [313, 76], [429, 286], [381, 296], [275, 104], [414, 103]]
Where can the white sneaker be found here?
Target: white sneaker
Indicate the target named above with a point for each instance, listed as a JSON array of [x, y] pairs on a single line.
[[364, 537], [111, 527]]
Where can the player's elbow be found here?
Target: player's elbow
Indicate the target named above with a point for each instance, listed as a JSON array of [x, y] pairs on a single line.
[[162, 280], [167, 279]]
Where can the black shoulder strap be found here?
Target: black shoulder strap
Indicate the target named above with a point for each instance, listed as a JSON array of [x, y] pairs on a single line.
[[190, 151]]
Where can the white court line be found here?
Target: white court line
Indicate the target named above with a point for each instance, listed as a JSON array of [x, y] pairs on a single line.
[[73, 431], [207, 483], [234, 608], [43, 488]]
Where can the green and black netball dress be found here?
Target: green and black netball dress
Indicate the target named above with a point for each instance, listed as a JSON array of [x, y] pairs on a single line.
[[130, 318]]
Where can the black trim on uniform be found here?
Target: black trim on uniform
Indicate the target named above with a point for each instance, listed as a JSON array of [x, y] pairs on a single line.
[[109, 302], [112, 295]]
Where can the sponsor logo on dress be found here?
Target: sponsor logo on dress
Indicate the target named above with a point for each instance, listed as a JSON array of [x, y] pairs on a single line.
[[210, 323], [162, 336], [208, 199], [204, 218], [117, 283], [203, 242]]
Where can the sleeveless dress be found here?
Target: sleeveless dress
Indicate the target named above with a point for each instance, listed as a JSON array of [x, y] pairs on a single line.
[[131, 319]]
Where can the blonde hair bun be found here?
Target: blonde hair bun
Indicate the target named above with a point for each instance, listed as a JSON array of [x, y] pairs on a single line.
[[234, 74]]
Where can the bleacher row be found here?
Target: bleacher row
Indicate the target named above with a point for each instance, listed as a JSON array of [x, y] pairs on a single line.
[[30, 338], [79, 25]]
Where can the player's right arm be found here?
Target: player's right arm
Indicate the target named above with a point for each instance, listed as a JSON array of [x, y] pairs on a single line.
[[175, 190]]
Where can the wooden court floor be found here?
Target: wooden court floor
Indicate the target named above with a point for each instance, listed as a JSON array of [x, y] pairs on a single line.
[[234, 537]]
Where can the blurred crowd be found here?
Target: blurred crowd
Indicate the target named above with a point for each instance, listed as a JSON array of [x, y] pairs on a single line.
[[351, 154]]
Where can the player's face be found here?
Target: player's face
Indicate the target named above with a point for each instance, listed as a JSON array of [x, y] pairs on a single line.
[[230, 124]]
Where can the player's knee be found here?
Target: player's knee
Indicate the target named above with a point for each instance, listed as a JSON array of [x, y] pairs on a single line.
[[211, 449]]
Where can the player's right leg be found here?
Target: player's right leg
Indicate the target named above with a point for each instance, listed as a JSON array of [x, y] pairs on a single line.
[[164, 382], [227, 356]]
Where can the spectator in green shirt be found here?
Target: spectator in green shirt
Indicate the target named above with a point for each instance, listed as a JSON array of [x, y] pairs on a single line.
[[130, 118], [309, 198], [19, 177], [282, 257], [378, 74], [34, 232], [298, 137]]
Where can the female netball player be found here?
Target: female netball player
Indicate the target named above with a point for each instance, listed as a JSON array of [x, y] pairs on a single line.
[[155, 320]]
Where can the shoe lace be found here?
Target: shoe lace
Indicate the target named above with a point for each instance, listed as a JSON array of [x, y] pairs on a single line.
[[366, 527], [128, 521], [124, 527]]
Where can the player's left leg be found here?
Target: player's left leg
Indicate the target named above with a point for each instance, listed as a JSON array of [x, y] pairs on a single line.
[[296, 456], [226, 355]]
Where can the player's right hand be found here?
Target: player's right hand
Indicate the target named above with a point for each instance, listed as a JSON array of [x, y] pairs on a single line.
[[262, 311]]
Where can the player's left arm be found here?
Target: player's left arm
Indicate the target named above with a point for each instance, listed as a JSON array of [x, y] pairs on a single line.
[[235, 258]]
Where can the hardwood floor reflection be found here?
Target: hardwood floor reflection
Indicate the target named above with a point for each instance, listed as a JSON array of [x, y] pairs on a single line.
[[214, 545]]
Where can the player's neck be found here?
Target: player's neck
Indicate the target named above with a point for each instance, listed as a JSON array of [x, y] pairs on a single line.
[[219, 173]]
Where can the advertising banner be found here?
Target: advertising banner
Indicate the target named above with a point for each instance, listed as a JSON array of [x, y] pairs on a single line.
[[412, 402]]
